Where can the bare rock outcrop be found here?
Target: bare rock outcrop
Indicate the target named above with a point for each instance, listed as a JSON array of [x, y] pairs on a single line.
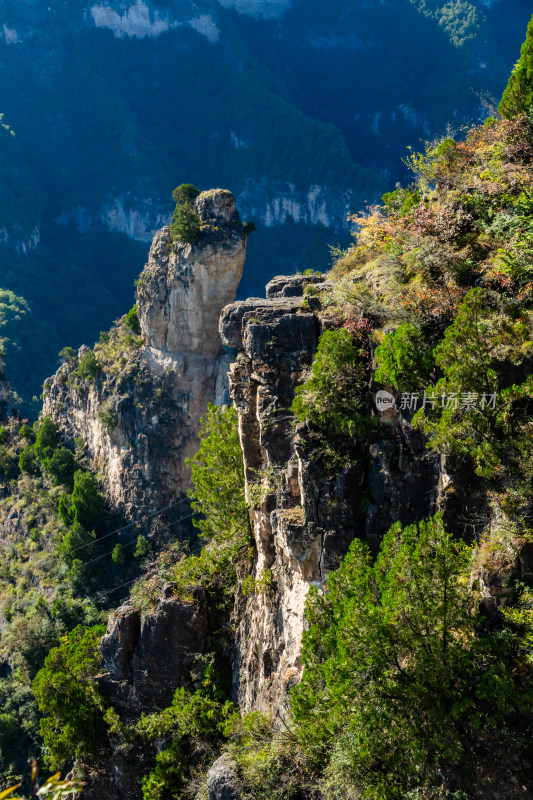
[[147, 657], [139, 417], [309, 512], [297, 539], [222, 780]]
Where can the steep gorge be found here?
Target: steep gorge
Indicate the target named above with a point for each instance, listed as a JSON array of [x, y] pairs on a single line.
[[317, 486]]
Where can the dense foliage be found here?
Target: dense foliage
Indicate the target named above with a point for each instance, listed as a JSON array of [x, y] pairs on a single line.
[[404, 358], [218, 494], [333, 397], [518, 96], [56, 524], [193, 726], [400, 680], [482, 409], [65, 689], [185, 225]]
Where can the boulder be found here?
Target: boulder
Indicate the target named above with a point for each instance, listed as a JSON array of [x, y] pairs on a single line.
[[222, 780]]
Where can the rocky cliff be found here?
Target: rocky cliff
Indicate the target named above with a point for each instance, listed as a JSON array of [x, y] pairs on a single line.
[[138, 412], [309, 513], [306, 512]]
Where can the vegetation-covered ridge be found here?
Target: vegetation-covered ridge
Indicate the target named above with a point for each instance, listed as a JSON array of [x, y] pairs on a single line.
[[417, 663], [63, 556], [414, 684]]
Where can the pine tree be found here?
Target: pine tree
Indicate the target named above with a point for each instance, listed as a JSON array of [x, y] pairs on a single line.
[[518, 96]]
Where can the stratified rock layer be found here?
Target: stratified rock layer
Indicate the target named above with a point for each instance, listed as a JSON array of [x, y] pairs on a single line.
[[308, 515], [295, 538], [147, 657], [183, 289], [158, 398]]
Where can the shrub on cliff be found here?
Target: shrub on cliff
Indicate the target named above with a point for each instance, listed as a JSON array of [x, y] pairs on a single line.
[[404, 359], [88, 368], [28, 461], [76, 545], [47, 436], [61, 466], [68, 356], [218, 494], [59, 463], [85, 504], [518, 95], [400, 681], [192, 725], [484, 413], [185, 194], [333, 398], [66, 692], [186, 224], [132, 321]]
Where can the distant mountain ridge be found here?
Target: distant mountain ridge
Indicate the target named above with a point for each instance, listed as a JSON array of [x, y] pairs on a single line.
[[303, 109]]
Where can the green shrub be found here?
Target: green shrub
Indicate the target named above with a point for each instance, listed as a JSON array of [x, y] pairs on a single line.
[[61, 466], [85, 504], [269, 762], [402, 201], [518, 95], [117, 556], [186, 225], [76, 545], [66, 692], [193, 725], [218, 494], [404, 359], [475, 357], [132, 321], [29, 462], [168, 774], [47, 436], [68, 355], [185, 194], [143, 547], [88, 368], [108, 418], [333, 398], [25, 432], [399, 678], [4, 436]]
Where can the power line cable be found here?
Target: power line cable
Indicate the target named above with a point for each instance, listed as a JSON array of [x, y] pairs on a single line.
[[133, 541], [131, 524], [128, 583]]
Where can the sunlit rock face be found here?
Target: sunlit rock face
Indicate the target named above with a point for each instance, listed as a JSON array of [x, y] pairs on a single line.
[[184, 288], [147, 19], [159, 396]]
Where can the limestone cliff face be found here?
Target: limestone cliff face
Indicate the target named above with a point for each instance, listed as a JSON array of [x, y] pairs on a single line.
[[307, 517], [180, 291], [296, 537], [139, 418], [26, 19]]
